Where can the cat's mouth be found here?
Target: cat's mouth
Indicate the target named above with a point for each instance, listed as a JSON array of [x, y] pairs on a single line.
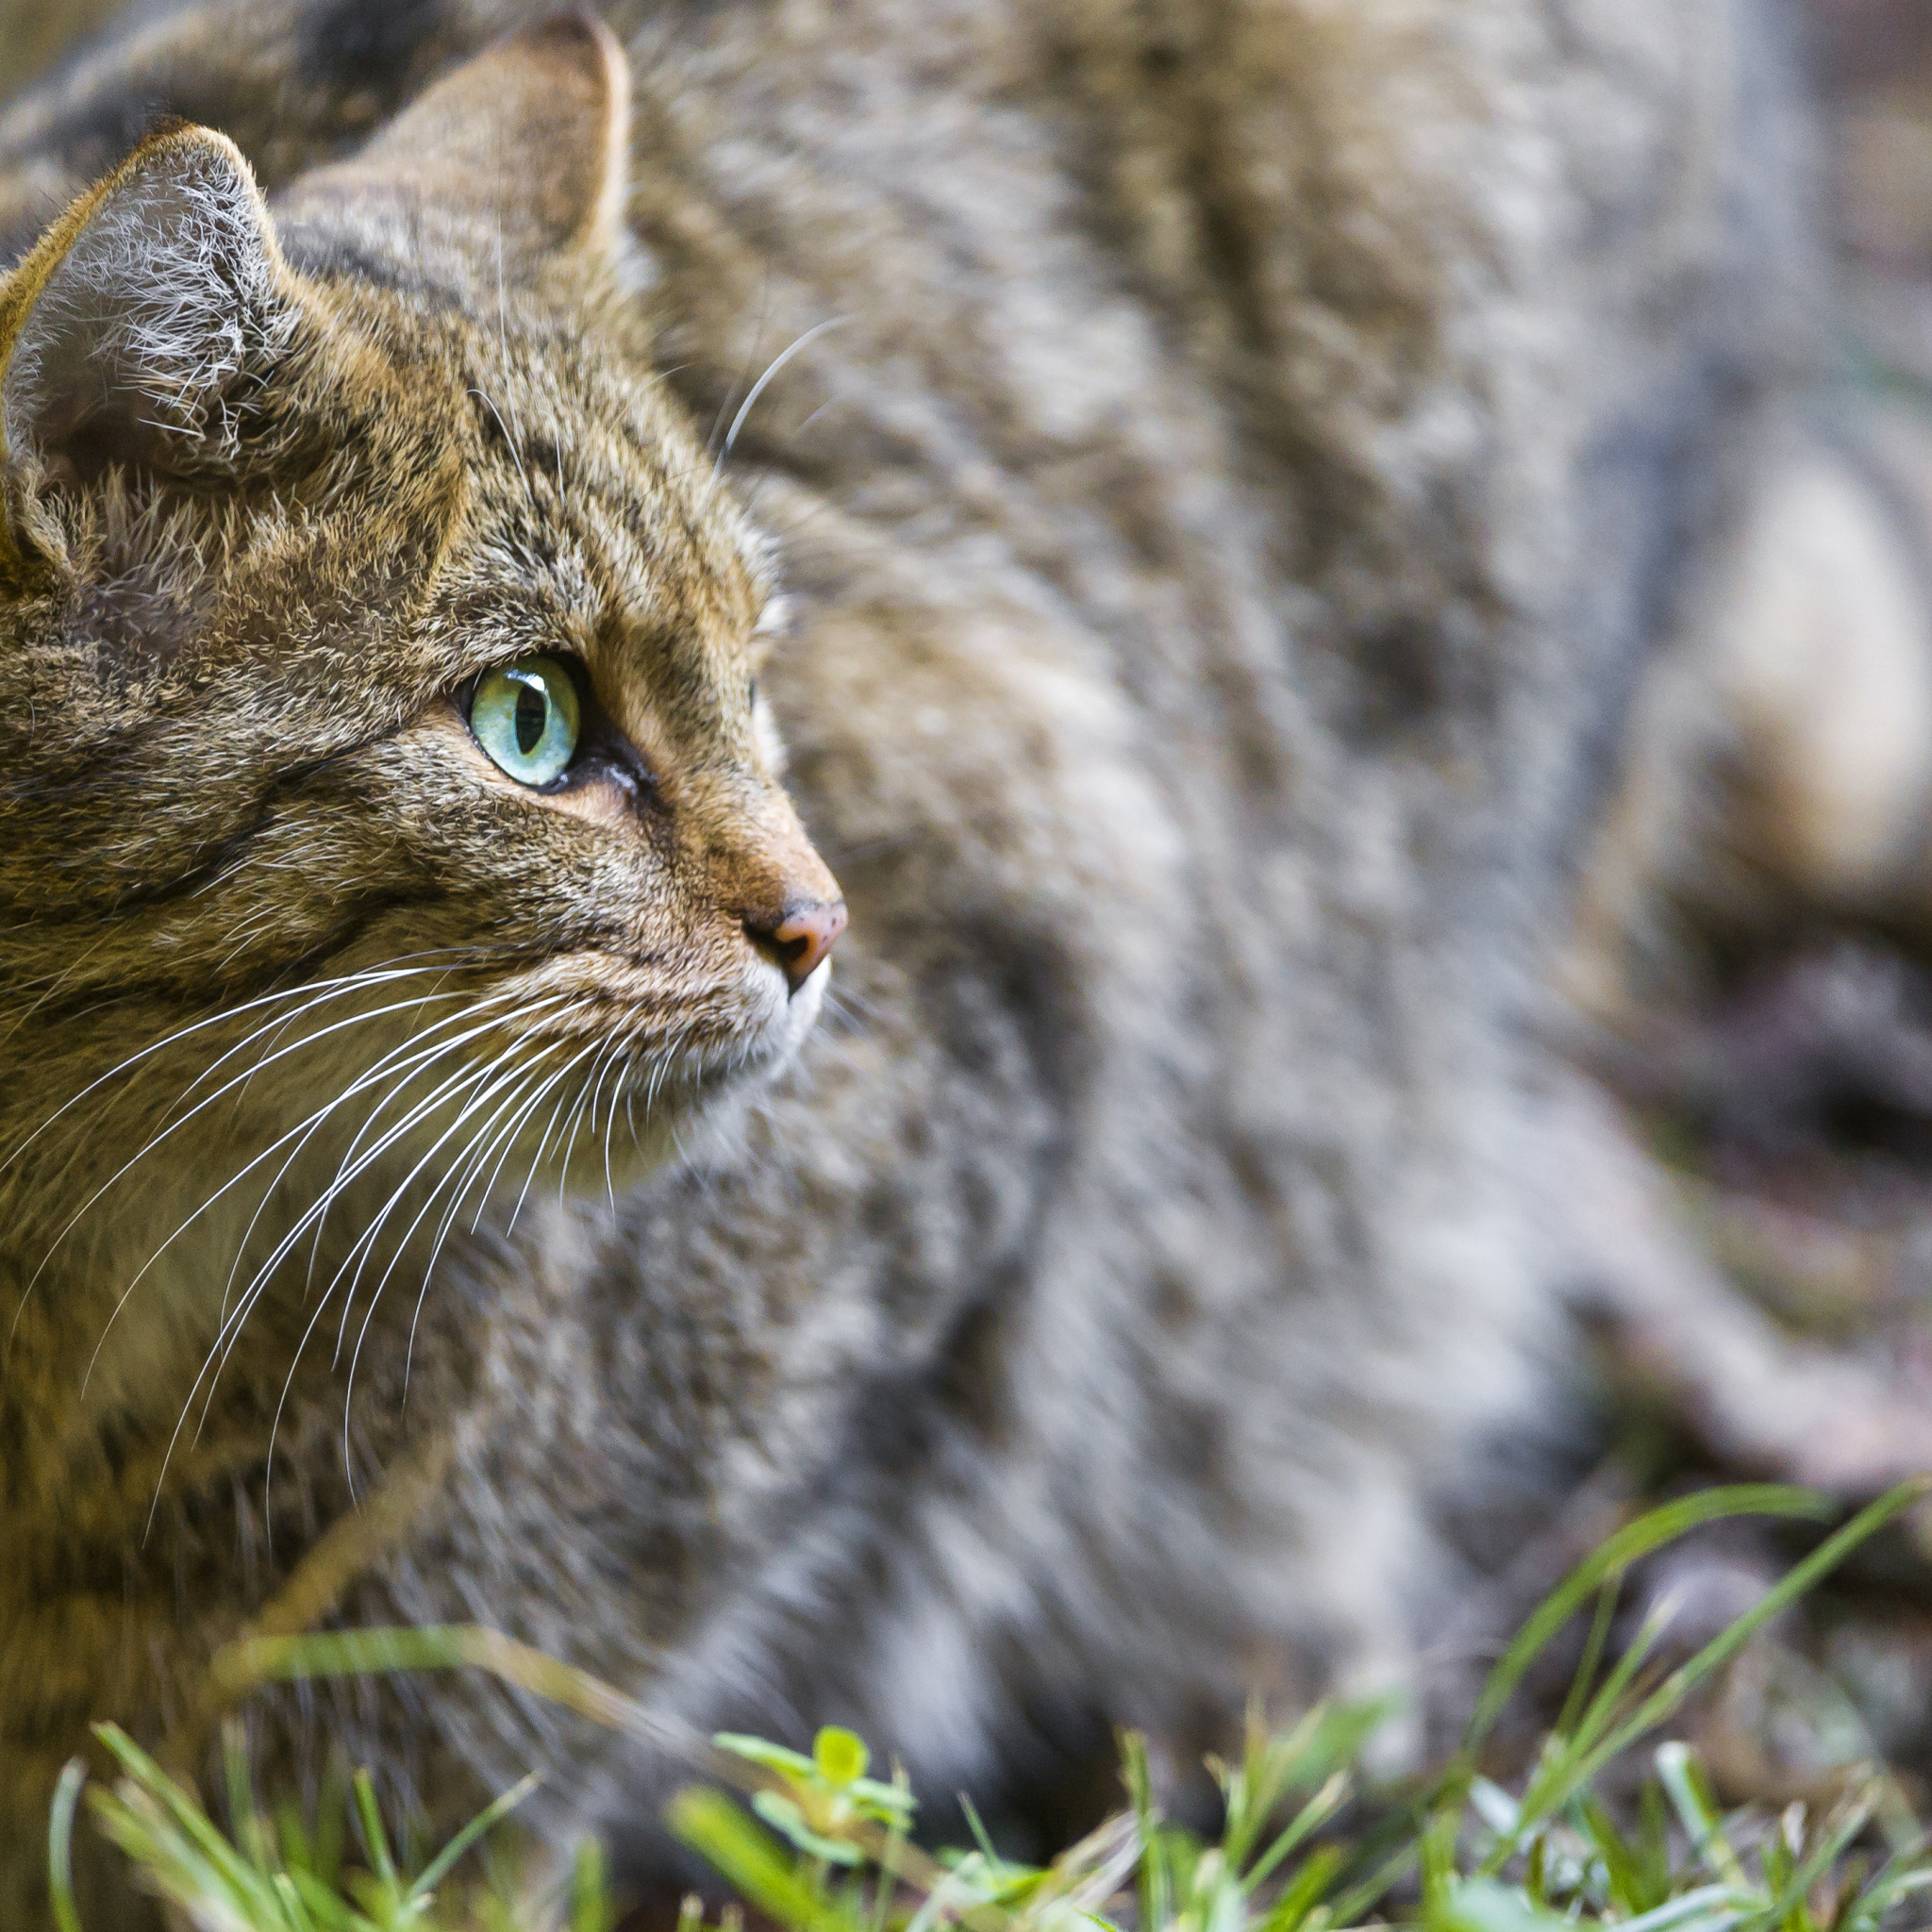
[[680, 1038], [594, 1067]]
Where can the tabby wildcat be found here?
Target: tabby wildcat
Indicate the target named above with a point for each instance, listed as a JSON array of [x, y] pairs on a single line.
[[1224, 469]]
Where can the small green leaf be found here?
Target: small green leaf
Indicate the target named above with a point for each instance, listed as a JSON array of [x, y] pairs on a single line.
[[720, 1833], [784, 1816], [839, 1754], [887, 1803], [793, 1764]]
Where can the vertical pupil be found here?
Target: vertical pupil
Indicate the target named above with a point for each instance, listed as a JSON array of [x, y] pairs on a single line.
[[533, 709]]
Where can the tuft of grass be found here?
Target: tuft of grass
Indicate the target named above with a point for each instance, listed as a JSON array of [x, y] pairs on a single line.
[[821, 1845], [274, 1873]]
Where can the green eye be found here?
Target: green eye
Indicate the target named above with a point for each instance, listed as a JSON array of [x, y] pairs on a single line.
[[527, 717]]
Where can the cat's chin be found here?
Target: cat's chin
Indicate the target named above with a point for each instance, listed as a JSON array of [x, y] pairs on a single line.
[[799, 1013], [766, 1045]]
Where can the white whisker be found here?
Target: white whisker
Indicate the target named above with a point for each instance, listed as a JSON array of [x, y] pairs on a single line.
[[535, 1159], [473, 1104], [472, 1160], [224, 1342], [758, 389], [347, 983], [320, 1308], [304, 1128]]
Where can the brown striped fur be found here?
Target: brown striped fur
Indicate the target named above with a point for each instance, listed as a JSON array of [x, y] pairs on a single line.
[[1226, 466]]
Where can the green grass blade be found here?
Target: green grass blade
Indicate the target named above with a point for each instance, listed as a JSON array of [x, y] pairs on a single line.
[[1606, 1706], [61, 1846], [1607, 1595], [1720, 1902], [1304, 1892], [1311, 1818], [750, 1861], [1722, 1648], [1480, 1905], [1697, 1809], [589, 1897], [1635, 1539], [1823, 1856], [1359, 1898], [375, 1840], [438, 1869], [1155, 1889], [197, 1836]]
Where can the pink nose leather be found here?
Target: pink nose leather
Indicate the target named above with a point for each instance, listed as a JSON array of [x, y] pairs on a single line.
[[801, 938]]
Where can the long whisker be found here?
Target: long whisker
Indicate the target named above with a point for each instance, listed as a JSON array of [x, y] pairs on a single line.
[[576, 1118], [466, 1168], [349, 1153], [375, 1294], [468, 1078], [225, 1340], [397, 1055], [230, 1335], [304, 1129], [181, 1121], [320, 1308], [281, 1023], [603, 1071], [155, 1141], [511, 443], [364, 1247], [523, 1101], [609, 1128], [757, 335], [758, 389], [522, 1108], [216, 1360], [510, 1143], [411, 1066], [347, 983], [281, 1053], [364, 1244], [536, 1158]]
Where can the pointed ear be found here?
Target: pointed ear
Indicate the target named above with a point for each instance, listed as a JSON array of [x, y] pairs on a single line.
[[512, 161], [138, 328]]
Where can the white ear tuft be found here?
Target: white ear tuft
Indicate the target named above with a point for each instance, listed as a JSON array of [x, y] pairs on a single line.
[[135, 329]]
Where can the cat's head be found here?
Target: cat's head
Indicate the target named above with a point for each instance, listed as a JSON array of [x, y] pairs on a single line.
[[374, 627]]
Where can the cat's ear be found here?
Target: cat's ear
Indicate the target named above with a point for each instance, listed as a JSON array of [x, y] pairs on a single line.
[[513, 163], [138, 330]]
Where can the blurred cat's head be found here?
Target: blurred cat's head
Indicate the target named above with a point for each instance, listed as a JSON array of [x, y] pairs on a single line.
[[377, 632]]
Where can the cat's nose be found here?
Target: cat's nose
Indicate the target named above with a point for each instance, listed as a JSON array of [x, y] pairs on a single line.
[[799, 938]]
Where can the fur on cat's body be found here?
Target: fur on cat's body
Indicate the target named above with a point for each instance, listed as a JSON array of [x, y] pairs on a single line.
[[1257, 448]]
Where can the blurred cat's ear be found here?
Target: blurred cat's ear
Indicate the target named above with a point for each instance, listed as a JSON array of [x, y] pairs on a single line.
[[511, 166], [137, 332]]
